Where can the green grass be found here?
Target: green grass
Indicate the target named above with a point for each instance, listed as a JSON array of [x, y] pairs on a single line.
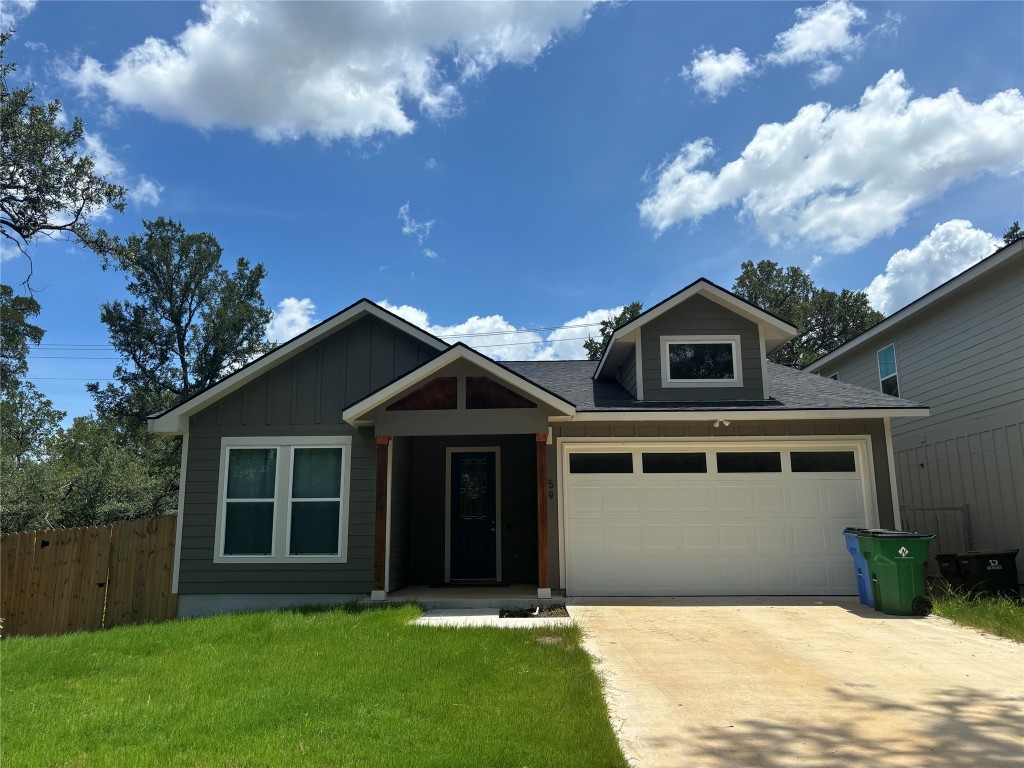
[[996, 615], [294, 688]]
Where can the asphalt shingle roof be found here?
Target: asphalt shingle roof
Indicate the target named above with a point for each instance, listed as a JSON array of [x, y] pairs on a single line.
[[788, 389]]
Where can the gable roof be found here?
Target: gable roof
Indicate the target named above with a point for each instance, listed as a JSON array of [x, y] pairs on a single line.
[[175, 420], [933, 297], [789, 390], [458, 351], [776, 330]]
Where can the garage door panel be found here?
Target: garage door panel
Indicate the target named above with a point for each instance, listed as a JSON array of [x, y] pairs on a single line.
[[710, 534], [737, 537]]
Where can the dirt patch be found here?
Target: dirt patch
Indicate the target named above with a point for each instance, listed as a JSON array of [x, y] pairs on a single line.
[[540, 612]]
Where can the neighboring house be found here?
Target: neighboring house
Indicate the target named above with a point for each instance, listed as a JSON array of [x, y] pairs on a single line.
[[366, 455], [960, 348]]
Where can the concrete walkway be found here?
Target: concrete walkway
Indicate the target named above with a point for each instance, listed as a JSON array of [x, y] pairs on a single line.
[[767, 682], [484, 617]]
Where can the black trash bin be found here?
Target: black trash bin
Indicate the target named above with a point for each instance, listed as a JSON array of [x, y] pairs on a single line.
[[991, 571], [949, 568]]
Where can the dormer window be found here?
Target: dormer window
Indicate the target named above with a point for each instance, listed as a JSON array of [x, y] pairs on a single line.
[[701, 361]]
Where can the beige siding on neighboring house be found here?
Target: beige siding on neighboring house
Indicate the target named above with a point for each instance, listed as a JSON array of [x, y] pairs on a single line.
[[963, 357]]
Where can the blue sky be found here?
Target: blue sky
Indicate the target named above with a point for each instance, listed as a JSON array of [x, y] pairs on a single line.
[[498, 169]]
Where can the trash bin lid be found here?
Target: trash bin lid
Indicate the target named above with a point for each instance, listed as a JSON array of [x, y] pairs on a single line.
[[988, 553], [889, 533]]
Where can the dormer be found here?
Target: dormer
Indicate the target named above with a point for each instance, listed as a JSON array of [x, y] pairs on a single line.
[[702, 343]]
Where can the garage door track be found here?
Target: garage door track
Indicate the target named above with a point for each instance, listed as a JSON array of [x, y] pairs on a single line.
[[802, 681]]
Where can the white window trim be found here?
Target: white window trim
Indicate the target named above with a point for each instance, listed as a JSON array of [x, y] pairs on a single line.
[[282, 497], [896, 364], [737, 362]]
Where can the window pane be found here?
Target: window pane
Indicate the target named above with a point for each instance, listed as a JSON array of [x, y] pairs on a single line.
[[315, 527], [891, 386], [886, 362], [248, 527], [317, 473], [599, 463], [823, 461], [749, 462], [664, 463], [700, 361], [251, 473]]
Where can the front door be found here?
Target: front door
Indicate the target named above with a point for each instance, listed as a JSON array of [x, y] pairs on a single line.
[[473, 516]]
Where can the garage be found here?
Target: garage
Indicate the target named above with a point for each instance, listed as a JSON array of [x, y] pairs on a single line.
[[700, 518]]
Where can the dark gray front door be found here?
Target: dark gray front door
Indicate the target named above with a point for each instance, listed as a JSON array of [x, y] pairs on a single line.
[[473, 516]]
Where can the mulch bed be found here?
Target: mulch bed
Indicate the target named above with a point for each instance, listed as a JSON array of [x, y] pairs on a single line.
[[548, 612]]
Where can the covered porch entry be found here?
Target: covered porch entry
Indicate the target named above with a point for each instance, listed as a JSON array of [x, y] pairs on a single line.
[[462, 488]]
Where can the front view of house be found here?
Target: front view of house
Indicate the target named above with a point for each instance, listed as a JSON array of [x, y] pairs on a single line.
[[366, 456]]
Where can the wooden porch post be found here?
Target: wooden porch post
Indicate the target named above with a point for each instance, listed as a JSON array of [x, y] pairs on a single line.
[[543, 579], [380, 521]]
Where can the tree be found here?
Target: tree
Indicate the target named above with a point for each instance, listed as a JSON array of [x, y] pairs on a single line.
[[824, 319], [191, 321], [1013, 234], [595, 347], [49, 186]]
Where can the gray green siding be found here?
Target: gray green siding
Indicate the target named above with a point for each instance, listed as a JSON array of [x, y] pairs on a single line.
[[963, 357], [699, 316], [626, 375], [303, 396]]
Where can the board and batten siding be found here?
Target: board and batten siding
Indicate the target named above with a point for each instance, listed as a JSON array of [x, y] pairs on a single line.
[[873, 428], [699, 316], [304, 396], [964, 358]]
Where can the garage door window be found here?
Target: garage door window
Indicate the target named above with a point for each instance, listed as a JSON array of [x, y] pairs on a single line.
[[823, 461], [738, 462], [675, 463], [600, 463]]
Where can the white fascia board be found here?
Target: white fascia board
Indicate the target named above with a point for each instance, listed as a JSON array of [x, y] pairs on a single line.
[[175, 421], [766, 415], [354, 414], [784, 330], [936, 295]]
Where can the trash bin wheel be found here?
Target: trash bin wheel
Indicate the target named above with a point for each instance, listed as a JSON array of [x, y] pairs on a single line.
[[922, 606]]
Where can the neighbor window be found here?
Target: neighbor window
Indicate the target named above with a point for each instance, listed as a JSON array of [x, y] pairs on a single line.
[[887, 371], [704, 361], [283, 499]]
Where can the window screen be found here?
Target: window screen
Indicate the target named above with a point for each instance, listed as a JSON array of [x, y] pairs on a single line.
[[692, 360], [822, 461], [249, 506], [675, 463], [600, 463], [316, 501], [760, 461]]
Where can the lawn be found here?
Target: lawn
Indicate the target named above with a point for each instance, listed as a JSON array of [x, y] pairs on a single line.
[[996, 615], [291, 688]]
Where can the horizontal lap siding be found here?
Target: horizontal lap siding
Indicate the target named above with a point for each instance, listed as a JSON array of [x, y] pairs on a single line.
[[626, 375], [701, 317], [964, 359], [304, 396]]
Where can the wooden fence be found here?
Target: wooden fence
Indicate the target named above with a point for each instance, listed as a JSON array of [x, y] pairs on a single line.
[[65, 580]]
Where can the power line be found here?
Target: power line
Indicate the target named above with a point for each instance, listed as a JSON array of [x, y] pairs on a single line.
[[64, 378]]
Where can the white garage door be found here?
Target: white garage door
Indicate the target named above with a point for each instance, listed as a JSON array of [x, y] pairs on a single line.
[[691, 519]]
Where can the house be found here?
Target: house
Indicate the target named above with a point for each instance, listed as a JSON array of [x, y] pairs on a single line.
[[366, 456], [960, 348]]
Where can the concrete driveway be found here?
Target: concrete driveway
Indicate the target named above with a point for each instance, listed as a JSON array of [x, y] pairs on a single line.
[[767, 682]]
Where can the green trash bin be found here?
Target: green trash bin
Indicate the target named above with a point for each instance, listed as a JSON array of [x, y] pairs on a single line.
[[896, 561]]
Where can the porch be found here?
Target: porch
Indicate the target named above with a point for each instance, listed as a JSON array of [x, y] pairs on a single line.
[[509, 596]]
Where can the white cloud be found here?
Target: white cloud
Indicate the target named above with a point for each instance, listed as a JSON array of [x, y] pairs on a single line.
[[498, 338], [715, 74], [820, 32], [292, 317], [430, 164], [842, 177], [946, 251], [418, 229], [13, 11], [826, 73], [145, 192], [430, 253], [328, 70]]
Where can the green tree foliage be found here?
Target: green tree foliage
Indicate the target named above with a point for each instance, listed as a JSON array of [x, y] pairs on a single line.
[[48, 186], [1012, 234], [824, 319], [190, 322], [595, 347]]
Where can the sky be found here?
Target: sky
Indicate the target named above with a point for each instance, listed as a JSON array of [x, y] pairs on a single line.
[[509, 174]]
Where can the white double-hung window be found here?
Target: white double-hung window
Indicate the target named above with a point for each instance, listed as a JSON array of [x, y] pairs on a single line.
[[283, 499]]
